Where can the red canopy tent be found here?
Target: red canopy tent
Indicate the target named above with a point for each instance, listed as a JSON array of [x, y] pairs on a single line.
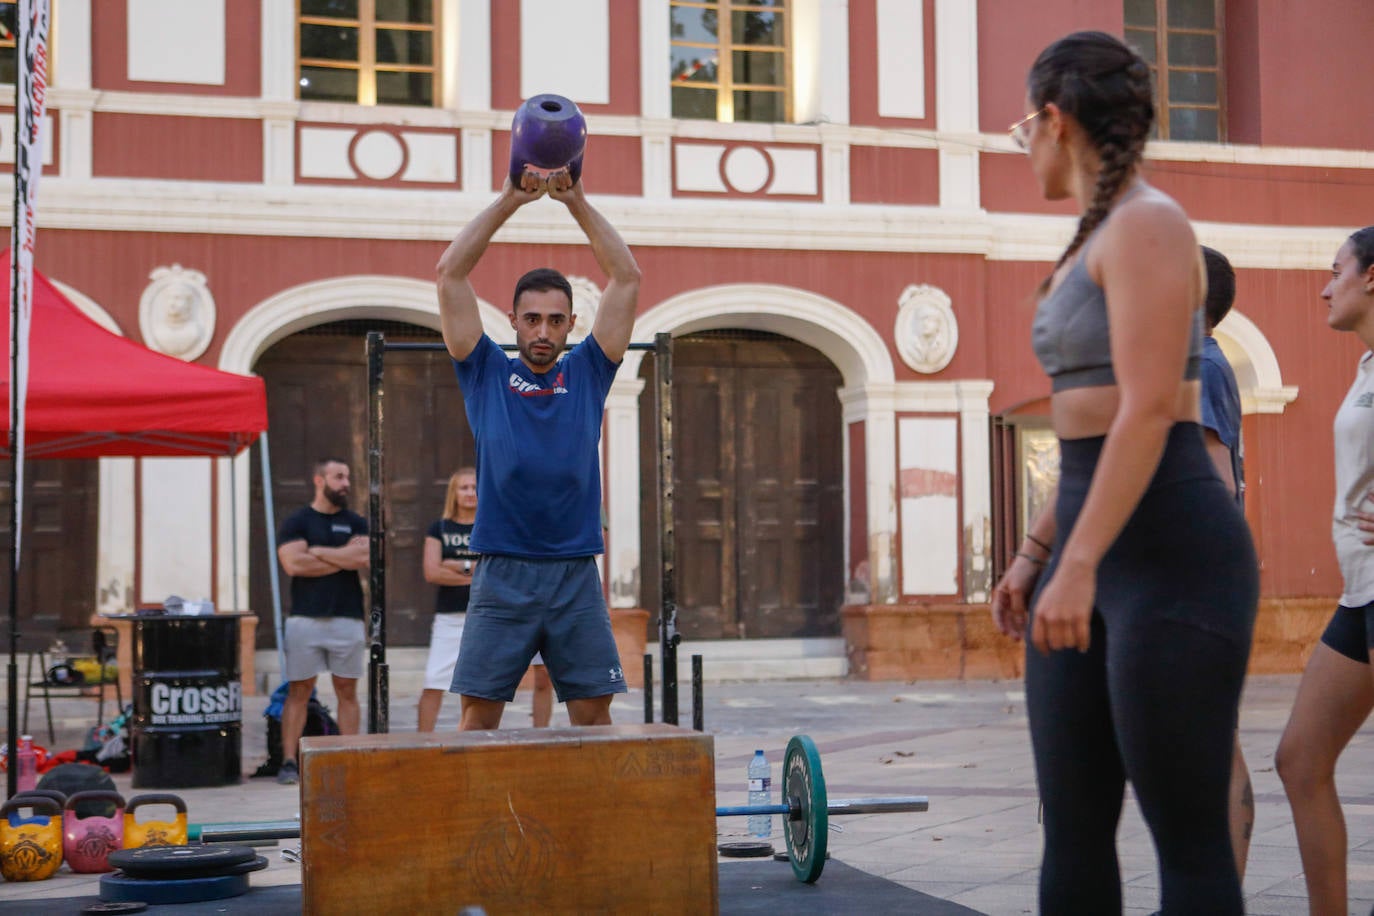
[[93, 393]]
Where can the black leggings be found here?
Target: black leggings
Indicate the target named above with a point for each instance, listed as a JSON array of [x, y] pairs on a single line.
[[1155, 698]]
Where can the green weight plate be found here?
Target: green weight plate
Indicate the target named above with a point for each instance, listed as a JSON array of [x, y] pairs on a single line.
[[808, 830]]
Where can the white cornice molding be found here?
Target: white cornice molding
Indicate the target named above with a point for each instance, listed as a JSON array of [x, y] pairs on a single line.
[[129, 205]]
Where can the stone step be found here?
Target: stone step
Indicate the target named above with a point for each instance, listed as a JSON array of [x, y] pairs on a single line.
[[721, 661]]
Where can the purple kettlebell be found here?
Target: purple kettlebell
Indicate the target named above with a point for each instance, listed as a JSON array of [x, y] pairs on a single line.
[[548, 133]]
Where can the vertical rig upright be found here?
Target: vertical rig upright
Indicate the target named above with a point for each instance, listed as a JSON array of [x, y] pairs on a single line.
[[668, 636], [378, 701]]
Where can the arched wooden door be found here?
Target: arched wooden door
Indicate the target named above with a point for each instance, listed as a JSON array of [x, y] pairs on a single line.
[[317, 407], [759, 487]]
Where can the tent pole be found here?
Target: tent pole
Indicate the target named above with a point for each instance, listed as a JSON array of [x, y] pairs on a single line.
[[234, 533], [271, 525]]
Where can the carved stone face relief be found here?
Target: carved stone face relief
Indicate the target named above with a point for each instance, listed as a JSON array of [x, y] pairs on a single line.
[[176, 313], [926, 331], [586, 298]]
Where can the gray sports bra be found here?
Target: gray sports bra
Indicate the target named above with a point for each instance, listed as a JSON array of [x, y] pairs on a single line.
[[1070, 333]]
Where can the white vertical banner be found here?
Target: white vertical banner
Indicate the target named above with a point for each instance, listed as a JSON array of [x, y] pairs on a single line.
[[31, 43]]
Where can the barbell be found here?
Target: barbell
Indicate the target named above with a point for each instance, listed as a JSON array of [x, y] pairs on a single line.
[[805, 806], [808, 809]]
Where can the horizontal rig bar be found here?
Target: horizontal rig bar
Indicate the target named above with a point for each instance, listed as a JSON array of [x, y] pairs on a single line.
[[836, 806], [436, 345]]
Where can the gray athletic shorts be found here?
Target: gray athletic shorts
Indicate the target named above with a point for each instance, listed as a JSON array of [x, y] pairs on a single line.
[[554, 607], [318, 644]]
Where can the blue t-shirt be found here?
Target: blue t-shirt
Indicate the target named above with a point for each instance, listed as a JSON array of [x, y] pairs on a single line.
[[1221, 407], [538, 450]]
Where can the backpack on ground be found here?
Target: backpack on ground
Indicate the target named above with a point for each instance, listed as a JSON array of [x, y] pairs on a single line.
[[318, 721]]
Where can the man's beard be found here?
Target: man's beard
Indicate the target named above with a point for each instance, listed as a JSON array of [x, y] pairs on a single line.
[[337, 498], [547, 358]]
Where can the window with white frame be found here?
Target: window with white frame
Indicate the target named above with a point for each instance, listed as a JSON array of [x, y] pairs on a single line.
[[731, 60], [1181, 39], [368, 52]]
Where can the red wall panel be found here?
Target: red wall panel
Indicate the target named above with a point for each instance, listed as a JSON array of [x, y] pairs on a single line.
[[1007, 185], [624, 63], [893, 175], [1315, 65], [1270, 195], [179, 148], [610, 165], [1012, 33], [242, 62], [863, 68]]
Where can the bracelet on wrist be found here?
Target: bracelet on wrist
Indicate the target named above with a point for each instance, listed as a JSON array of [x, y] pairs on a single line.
[[1039, 543], [1025, 556]]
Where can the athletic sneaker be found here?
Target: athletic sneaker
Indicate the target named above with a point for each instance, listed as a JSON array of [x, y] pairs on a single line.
[[288, 774]]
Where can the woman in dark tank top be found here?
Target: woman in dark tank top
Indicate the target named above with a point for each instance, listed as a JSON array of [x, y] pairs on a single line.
[[1144, 576]]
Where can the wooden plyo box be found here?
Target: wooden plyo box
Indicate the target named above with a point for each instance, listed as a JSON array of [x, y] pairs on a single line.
[[607, 819]]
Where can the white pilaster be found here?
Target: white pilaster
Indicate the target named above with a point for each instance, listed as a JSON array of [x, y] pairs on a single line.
[[114, 565], [75, 118], [474, 55], [278, 52], [834, 167], [655, 52], [476, 159], [232, 536], [175, 554], [956, 102], [874, 406], [975, 473], [656, 159], [623, 496], [71, 36], [834, 91]]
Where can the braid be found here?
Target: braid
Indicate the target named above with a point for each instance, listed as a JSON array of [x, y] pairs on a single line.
[[1106, 87], [1117, 162]]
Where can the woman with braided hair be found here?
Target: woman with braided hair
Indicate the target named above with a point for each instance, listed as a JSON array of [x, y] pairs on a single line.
[[1140, 625]]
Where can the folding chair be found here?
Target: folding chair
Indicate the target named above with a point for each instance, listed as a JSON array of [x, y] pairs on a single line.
[[59, 679]]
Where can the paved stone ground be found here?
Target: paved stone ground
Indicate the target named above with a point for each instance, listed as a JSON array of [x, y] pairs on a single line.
[[962, 744]]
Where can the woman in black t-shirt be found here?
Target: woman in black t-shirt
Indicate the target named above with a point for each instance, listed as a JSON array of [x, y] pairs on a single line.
[[448, 563]]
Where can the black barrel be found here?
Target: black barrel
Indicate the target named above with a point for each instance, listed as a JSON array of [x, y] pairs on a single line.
[[188, 701]]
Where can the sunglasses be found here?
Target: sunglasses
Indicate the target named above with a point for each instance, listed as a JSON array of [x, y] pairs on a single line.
[[1018, 131]]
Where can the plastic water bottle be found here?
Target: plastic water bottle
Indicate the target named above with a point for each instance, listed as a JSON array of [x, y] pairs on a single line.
[[760, 793], [27, 761]]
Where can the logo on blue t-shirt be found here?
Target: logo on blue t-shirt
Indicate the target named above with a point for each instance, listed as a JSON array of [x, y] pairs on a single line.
[[527, 389]]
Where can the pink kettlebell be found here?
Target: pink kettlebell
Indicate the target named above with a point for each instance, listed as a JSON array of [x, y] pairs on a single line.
[[88, 841]]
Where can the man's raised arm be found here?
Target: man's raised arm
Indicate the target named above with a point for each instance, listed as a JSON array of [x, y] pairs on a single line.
[[615, 316], [458, 314]]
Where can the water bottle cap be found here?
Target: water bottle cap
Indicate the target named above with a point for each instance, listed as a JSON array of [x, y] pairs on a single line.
[[758, 752]]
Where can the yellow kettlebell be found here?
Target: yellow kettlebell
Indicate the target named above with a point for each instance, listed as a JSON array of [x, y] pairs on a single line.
[[30, 847], [155, 833]]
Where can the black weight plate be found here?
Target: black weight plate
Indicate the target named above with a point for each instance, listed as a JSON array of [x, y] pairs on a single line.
[[807, 833], [158, 862], [257, 863], [115, 906], [116, 887], [753, 849]]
